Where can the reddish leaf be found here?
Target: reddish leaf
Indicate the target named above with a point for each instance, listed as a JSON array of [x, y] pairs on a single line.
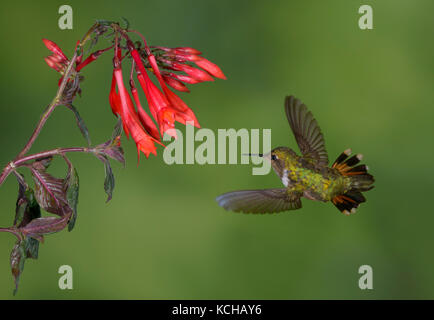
[[46, 225], [49, 191]]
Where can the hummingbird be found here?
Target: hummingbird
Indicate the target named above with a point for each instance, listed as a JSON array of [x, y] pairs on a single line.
[[307, 175]]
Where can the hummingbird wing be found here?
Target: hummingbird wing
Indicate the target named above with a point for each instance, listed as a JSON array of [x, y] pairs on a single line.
[[260, 201], [306, 131]]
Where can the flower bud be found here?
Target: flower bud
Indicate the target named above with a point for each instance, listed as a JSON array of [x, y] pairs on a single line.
[[54, 48], [210, 67], [53, 64], [175, 84], [193, 72]]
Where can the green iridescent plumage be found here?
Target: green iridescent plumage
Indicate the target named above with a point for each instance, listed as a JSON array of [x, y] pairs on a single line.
[[307, 175]]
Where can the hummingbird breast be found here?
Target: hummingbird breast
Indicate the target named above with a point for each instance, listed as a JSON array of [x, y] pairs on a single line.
[[314, 185]]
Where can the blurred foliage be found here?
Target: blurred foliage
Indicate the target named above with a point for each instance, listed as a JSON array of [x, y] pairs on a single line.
[[163, 236]]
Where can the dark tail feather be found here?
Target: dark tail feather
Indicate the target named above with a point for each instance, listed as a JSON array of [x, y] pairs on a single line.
[[361, 181], [348, 203]]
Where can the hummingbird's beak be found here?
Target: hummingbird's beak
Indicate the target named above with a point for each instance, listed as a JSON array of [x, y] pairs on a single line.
[[253, 154], [267, 156]]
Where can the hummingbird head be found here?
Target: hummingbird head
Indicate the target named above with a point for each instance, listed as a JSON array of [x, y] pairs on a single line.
[[278, 158]]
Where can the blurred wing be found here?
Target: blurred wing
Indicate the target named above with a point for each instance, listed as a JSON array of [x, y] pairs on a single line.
[[259, 201], [306, 131]]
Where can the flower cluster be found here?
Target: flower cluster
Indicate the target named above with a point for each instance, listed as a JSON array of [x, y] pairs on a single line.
[[172, 67], [58, 60], [164, 105]]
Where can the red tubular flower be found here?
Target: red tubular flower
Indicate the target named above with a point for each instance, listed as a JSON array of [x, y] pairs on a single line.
[[180, 50], [175, 84], [187, 57], [210, 67], [183, 78], [183, 112], [158, 105], [166, 120], [181, 57], [88, 60], [144, 118], [176, 57], [91, 58], [192, 72], [115, 103], [144, 142], [188, 50], [114, 97]]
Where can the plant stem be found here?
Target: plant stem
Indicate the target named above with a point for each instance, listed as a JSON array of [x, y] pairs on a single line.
[[48, 111], [11, 166], [10, 230], [6, 171], [49, 153], [56, 101]]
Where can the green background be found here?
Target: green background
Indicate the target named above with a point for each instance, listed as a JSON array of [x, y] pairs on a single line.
[[163, 236]]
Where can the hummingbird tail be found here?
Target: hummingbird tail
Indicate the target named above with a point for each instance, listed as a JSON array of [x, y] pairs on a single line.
[[348, 202], [361, 181]]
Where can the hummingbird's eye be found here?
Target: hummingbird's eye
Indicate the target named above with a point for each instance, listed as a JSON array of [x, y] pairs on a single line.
[[273, 157]]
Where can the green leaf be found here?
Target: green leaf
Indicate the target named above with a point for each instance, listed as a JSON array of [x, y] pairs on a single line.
[[27, 208], [71, 189], [24, 249], [80, 123], [21, 205], [32, 248], [18, 257], [105, 22], [126, 22], [109, 182], [117, 131], [111, 148]]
